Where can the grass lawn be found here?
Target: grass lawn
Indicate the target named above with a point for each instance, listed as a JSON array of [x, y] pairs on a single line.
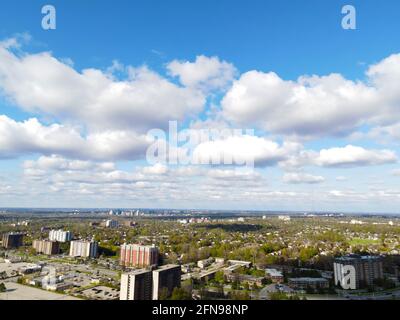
[[363, 242]]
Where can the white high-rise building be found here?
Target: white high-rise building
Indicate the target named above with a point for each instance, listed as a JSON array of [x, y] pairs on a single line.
[[84, 249], [111, 224], [60, 235], [136, 285], [366, 270], [166, 277], [150, 285]]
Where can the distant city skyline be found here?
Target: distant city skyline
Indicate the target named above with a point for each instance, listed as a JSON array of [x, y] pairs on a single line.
[[77, 103], [193, 211]]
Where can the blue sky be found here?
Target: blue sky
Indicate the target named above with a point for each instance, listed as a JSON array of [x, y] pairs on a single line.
[[290, 38]]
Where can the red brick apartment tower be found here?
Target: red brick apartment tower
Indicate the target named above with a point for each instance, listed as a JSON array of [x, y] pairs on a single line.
[[134, 255]]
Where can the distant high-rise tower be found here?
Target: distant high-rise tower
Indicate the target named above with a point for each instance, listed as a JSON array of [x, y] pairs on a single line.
[[111, 224], [85, 249], [12, 240], [46, 247], [60, 235]]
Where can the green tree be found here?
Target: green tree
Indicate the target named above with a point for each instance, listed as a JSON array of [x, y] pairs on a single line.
[[180, 294], [235, 285], [240, 295], [219, 277], [282, 296], [164, 294]]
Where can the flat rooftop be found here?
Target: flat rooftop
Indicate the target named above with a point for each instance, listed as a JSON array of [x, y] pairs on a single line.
[[307, 279], [274, 273], [17, 291], [166, 267], [9, 267], [356, 257], [101, 293], [137, 272]]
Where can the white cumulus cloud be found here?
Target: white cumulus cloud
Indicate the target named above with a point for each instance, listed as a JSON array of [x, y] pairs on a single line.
[[204, 73], [42, 83], [352, 156], [32, 137], [315, 106], [241, 150]]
